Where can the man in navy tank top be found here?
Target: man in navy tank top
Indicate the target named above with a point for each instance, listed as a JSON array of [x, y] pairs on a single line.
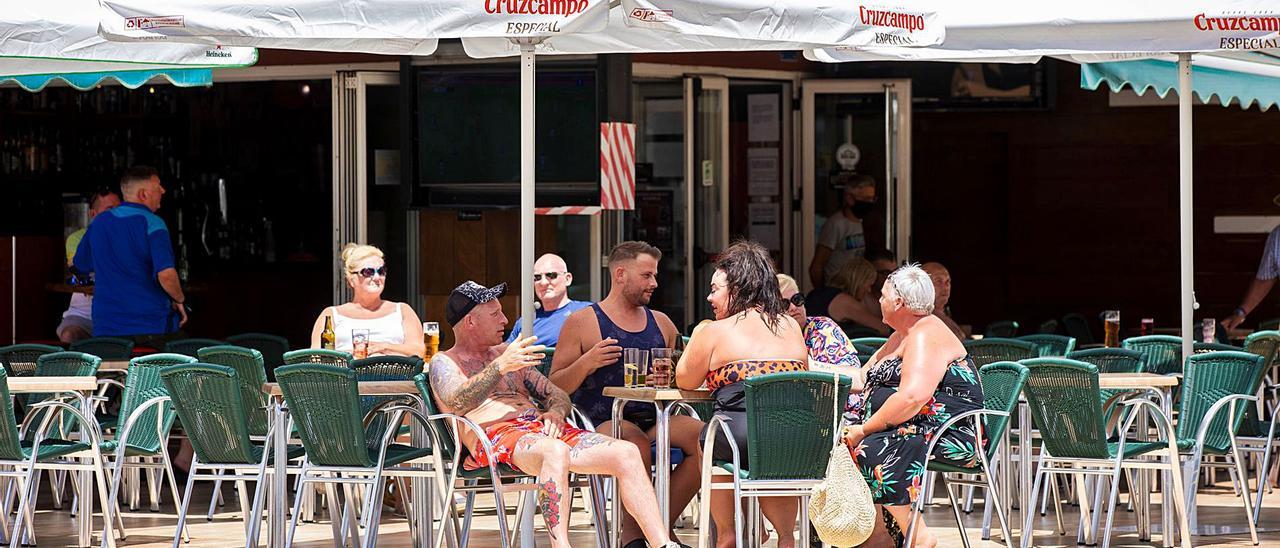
[[588, 358]]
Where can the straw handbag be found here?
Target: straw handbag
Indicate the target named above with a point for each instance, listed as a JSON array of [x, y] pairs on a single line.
[[841, 508]]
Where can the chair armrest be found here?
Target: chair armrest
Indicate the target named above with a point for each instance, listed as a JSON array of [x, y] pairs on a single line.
[[1156, 413], [86, 424], [973, 415], [716, 424], [1230, 403]]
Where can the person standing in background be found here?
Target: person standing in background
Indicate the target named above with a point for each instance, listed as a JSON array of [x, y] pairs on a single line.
[[77, 321], [843, 236]]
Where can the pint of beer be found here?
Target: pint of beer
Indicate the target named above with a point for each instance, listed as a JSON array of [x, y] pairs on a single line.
[[1111, 327], [431, 337], [1148, 327]]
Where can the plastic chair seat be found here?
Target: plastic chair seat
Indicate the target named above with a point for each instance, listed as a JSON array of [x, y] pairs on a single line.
[[728, 467], [1186, 445], [504, 470], [1135, 448], [399, 453], [292, 452], [130, 450], [52, 448]]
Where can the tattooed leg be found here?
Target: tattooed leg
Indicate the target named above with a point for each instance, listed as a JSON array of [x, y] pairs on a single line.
[[548, 459], [550, 503], [599, 454]]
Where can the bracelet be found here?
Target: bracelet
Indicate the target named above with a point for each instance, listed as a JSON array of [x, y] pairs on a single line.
[[1240, 311]]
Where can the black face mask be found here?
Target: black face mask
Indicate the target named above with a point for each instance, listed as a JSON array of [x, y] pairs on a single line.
[[861, 209]]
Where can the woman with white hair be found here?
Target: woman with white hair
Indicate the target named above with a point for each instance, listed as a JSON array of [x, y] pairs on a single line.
[[394, 328], [920, 378]]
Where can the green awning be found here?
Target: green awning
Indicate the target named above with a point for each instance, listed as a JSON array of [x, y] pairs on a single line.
[[1247, 79], [131, 79]]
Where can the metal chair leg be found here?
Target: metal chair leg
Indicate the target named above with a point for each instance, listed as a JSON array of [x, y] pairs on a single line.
[[186, 504]]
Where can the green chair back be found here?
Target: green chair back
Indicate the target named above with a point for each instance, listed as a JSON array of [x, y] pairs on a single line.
[[382, 368], [10, 442], [141, 384], [1076, 325], [789, 418], [1163, 352], [441, 428], [107, 348], [993, 350], [61, 364], [1210, 377], [1202, 347], [189, 347], [1006, 329], [318, 355], [1063, 397], [547, 356], [271, 346], [1111, 360], [1049, 345], [212, 411], [874, 343], [20, 359], [1002, 382], [324, 403], [865, 350], [1267, 345], [250, 373]]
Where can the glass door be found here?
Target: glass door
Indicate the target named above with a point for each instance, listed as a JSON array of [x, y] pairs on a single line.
[[706, 186], [854, 131]]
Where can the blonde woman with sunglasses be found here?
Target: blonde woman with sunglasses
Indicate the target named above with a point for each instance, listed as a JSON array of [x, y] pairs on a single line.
[[394, 328]]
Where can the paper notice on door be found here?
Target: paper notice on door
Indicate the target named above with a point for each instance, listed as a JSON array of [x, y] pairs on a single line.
[[766, 227], [762, 171], [764, 118]]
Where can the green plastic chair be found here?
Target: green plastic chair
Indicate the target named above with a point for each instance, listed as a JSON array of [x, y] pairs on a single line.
[[20, 458], [107, 348], [1215, 390], [1049, 345], [217, 421], [1163, 352], [547, 356], [1005, 329], [383, 368], [1049, 326], [871, 342], [789, 441], [1002, 383], [144, 431], [189, 347], [20, 359], [865, 350], [324, 405], [1257, 435], [59, 364], [251, 374], [993, 350], [318, 355], [1111, 360], [271, 346], [1063, 398]]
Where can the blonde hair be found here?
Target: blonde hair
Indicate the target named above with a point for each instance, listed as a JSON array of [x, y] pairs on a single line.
[[786, 282], [353, 253], [853, 275]]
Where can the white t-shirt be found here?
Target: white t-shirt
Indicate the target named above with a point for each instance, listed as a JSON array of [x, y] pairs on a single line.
[[845, 239]]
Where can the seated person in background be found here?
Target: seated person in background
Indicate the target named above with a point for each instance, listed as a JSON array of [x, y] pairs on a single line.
[[523, 415], [849, 299], [551, 280], [588, 359], [394, 328], [884, 263], [942, 295], [77, 321], [828, 346], [751, 336]]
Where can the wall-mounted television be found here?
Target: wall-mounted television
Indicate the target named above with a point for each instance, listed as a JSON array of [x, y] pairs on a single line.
[[467, 136]]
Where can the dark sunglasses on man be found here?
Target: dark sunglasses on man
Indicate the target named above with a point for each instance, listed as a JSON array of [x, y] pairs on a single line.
[[369, 272], [551, 276], [796, 300]]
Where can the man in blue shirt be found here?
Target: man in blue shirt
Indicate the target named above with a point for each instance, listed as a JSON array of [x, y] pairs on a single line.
[[551, 279], [1263, 281], [136, 289]]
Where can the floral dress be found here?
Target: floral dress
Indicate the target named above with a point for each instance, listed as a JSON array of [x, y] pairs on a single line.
[[893, 461]]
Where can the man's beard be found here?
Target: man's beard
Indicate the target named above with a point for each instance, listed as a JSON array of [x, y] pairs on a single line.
[[638, 297]]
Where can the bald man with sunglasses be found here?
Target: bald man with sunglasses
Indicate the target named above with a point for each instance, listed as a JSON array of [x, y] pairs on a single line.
[[551, 280]]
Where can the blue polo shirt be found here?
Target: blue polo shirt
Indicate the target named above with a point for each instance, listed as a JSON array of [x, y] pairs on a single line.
[[126, 247], [546, 325]]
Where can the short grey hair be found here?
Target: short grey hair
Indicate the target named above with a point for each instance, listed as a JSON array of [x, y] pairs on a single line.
[[914, 286]]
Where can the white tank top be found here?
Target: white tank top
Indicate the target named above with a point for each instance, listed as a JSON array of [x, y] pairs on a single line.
[[384, 329]]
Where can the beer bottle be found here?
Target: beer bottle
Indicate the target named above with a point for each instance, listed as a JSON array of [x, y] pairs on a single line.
[[327, 336]]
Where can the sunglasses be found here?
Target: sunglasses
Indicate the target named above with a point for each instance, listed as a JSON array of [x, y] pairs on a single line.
[[551, 276], [796, 300], [369, 272]]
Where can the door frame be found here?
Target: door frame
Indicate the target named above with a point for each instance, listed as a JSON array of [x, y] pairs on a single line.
[[897, 145], [692, 175]]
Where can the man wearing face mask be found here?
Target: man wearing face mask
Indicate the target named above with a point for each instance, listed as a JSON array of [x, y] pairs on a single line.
[[551, 280], [842, 236]]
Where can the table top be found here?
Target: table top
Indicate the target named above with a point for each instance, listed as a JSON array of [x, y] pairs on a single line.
[[1135, 380], [113, 365], [657, 394], [52, 384], [366, 388]]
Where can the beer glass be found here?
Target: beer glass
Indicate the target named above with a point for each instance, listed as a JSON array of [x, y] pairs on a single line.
[[1148, 327], [360, 343], [1111, 327], [633, 359], [663, 367], [431, 331], [1208, 330]]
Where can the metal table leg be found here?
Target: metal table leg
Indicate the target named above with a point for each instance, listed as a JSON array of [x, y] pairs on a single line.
[[662, 461], [280, 481], [615, 513], [1024, 462]]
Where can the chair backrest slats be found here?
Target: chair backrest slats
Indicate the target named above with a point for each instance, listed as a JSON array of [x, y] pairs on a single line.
[[1002, 382], [189, 347], [317, 355], [1063, 397], [20, 359], [444, 430], [789, 418], [271, 346], [324, 403], [211, 411], [1209, 378], [250, 373], [107, 348], [993, 350], [141, 384], [10, 442], [1049, 345], [382, 368], [1163, 352]]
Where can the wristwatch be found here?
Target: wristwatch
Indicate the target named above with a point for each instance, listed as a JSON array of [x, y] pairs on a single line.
[[1240, 311]]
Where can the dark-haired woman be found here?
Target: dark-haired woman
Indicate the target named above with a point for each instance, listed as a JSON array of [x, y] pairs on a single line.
[[752, 335]]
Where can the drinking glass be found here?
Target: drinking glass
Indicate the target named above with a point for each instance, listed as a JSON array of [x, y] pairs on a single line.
[[1209, 330], [1111, 327], [663, 367], [431, 330], [1148, 327], [360, 343], [634, 360]]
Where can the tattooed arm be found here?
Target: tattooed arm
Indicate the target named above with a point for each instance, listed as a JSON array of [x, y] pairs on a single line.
[[461, 394], [545, 391]]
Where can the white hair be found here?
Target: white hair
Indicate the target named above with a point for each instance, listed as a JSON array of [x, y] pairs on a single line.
[[914, 286]]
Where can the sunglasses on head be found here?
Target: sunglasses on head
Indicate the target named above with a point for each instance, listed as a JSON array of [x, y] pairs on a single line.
[[796, 300], [551, 276], [369, 272]]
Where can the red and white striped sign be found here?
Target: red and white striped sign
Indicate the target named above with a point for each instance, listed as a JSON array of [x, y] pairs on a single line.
[[567, 210], [617, 165]]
